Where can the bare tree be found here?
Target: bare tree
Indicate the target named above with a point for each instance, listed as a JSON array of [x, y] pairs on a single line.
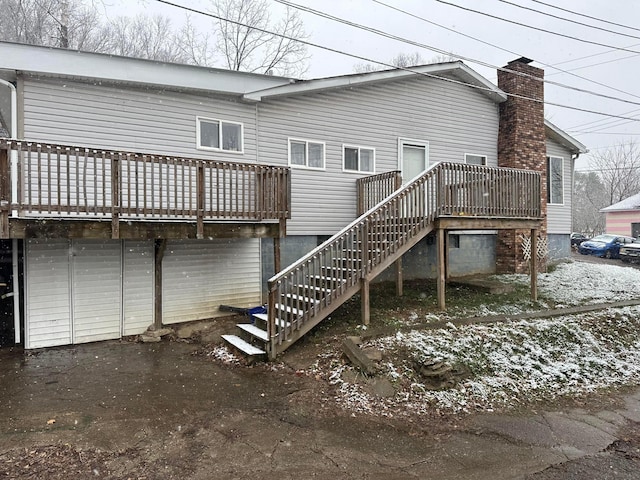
[[402, 60], [245, 43], [619, 170], [196, 47], [589, 196]]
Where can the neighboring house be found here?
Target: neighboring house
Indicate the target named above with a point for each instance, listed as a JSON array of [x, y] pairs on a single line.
[[149, 264], [623, 218]]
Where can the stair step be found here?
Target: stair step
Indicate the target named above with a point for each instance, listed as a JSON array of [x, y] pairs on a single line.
[[313, 288], [243, 346], [329, 279], [265, 318], [254, 331], [302, 298]]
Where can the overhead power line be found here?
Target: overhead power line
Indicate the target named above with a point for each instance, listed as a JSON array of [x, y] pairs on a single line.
[[366, 59], [444, 52], [586, 16], [559, 70], [564, 19], [551, 32]]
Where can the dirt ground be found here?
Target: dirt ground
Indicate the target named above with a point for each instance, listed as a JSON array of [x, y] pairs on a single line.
[[126, 410]]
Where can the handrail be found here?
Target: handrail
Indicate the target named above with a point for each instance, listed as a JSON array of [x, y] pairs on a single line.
[[363, 248], [66, 180], [375, 188]]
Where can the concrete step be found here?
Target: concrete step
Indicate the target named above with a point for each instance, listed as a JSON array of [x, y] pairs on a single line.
[[254, 331], [243, 346]]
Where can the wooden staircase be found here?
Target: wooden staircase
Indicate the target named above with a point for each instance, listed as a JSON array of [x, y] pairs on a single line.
[[309, 290]]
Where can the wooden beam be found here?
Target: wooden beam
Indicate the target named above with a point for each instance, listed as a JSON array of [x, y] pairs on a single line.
[[135, 230], [441, 269], [115, 198], [488, 223], [399, 286], [365, 307], [534, 265], [160, 247], [277, 266]]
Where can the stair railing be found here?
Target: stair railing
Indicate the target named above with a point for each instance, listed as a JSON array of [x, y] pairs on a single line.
[[332, 272]]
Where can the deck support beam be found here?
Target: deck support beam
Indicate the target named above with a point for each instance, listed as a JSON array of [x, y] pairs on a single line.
[[442, 268], [5, 193], [160, 247], [534, 265], [277, 266], [365, 306], [399, 286]]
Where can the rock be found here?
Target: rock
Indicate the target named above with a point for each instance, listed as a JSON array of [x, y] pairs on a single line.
[[381, 387], [149, 339], [357, 357], [373, 354], [159, 333], [355, 339]]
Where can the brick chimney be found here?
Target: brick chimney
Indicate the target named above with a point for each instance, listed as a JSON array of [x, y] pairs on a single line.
[[521, 144]]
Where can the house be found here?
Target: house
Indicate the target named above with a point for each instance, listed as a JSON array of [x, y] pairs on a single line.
[[151, 193], [623, 218]]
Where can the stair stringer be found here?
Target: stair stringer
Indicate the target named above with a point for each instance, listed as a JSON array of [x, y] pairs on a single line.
[[313, 319]]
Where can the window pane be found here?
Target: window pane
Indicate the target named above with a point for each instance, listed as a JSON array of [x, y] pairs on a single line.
[[555, 180], [209, 134], [366, 160], [350, 158], [298, 153], [231, 137], [476, 159], [316, 155]]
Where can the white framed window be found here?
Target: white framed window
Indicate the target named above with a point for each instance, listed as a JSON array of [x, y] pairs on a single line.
[[358, 159], [473, 159], [306, 154], [555, 180], [222, 135]]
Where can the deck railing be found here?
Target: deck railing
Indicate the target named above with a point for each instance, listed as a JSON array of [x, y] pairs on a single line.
[[62, 180], [332, 272], [375, 188]]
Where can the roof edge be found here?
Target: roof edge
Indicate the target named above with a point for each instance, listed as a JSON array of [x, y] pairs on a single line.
[[564, 138], [457, 68]]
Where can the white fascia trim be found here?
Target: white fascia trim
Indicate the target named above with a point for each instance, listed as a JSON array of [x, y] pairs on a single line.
[[564, 138], [56, 62], [457, 69]]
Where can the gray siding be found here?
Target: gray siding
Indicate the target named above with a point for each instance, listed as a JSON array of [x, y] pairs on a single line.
[[129, 119], [454, 120], [559, 216]]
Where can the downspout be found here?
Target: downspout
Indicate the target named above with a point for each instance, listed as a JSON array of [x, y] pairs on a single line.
[[14, 200]]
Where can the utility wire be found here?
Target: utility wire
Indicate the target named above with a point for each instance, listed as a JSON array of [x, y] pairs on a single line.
[[586, 16], [366, 59], [537, 28], [564, 19], [559, 70], [444, 52]]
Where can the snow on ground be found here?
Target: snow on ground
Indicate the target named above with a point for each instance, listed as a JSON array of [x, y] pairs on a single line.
[[504, 364]]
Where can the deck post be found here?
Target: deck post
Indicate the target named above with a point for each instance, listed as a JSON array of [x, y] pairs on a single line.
[[200, 201], [441, 269], [5, 193], [398, 264], [534, 265], [160, 247], [365, 307], [277, 266], [115, 198]]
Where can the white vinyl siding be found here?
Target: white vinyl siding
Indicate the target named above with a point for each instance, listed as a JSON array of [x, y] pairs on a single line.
[[559, 215], [306, 154], [454, 119], [96, 290], [138, 286], [199, 276], [48, 309], [219, 135], [138, 120], [358, 159]]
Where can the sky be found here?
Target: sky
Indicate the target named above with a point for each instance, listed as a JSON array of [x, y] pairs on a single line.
[[603, 57]]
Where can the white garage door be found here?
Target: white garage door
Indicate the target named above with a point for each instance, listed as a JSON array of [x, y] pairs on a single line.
[[76, 291], [199, 275]]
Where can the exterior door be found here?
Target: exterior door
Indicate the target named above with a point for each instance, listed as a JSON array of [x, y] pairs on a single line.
[[414, 158]]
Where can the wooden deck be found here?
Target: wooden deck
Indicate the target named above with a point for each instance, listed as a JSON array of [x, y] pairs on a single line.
[[63, 191]]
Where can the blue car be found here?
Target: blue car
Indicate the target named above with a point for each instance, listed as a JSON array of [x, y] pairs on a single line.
[[606, 245]]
